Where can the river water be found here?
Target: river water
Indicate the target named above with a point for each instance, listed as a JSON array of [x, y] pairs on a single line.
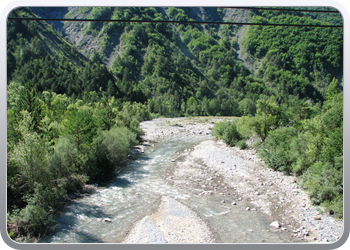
[[136, 192]]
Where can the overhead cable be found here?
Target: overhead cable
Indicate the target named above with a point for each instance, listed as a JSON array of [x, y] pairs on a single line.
[[278, 9], [169, 21]]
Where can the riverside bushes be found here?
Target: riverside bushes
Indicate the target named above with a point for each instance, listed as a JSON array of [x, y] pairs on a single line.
[[227, 131], [277, 150], [52, 154], [310, 147], [111, 148]]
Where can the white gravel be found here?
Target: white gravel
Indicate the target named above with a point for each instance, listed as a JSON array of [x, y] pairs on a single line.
[[173, 223], [270, 192]]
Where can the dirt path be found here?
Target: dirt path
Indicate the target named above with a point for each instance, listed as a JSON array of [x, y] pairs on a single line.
[[235, 176]]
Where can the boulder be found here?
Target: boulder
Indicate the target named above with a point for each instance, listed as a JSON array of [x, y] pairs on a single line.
[[275, 224], [319, 217], [107, 220]]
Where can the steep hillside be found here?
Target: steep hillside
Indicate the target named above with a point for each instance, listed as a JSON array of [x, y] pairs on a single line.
[[88, 41], [197, 68], [40, 56]]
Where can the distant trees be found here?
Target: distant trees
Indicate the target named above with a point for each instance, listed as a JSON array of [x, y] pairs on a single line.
[[172, 64], [302, 56]]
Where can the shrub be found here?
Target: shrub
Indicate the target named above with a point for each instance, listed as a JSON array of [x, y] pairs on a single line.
[[63, 159], [242, 144], [37, 215], [276, 150], [227, 131], [219, 129], [231, 135], [324, 182], [111, 148], [244, 127], [75, 182]]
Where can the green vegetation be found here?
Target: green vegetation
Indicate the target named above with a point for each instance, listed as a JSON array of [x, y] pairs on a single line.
[[71, 120], [59, 146], [300, 121], [311, 148]]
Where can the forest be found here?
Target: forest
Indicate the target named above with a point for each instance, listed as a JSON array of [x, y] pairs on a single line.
[[71, 120]]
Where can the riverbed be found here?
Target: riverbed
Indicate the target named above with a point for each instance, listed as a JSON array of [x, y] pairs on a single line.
[[184, 186]]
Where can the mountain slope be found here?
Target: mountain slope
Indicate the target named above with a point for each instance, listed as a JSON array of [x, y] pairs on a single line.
[[38, 55], [201, 68]]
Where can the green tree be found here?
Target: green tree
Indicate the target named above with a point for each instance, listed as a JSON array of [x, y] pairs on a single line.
[[267, 116], [31, 155], [247, 107], [79, 127]]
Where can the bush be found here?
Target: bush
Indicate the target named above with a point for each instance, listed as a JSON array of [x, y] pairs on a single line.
[[324, 182], [276, 151], [219, 129], [227, 131], [37, 215], [111, 148], [63, 159], [244, 126], [231, 135], [75, 182], [242, 144]]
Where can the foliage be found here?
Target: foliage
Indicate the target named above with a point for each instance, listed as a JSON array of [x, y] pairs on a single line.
[[277, 151], [242, 144], [267, 116], [304, 141], [111, 148], [315, 152], [71, 120], [227, 131], [71, 144]]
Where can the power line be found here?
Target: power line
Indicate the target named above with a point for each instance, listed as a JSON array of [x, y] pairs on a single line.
[[168, 21], [277, 9]]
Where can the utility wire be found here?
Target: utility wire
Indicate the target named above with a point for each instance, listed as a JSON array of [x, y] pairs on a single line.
[[168, 21], [275, 9]]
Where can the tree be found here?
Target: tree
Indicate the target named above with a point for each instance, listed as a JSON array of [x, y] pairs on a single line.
[[267, 116], [27, 99], [111, 147], [31, 156], [247, 107], [333, 90], [79, 127], [191, 106]]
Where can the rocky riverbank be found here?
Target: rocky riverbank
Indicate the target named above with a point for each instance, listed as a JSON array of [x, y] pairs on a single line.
[[238, 178]]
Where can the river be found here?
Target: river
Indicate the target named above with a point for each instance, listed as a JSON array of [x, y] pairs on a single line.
[[139, 187], [134, 193]]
